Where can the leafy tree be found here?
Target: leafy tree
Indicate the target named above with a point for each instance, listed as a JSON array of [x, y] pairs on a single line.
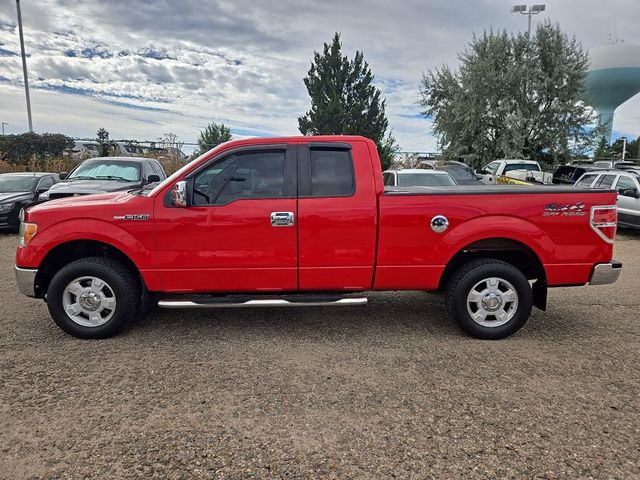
[[512, 97], [212, 136], [20, 149], [104, 146], [343, 100]]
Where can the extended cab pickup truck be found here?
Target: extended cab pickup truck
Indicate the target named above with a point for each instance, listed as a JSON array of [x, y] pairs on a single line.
[[308, 221]]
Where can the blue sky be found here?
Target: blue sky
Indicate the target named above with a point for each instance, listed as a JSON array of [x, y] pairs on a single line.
[[143, 68]]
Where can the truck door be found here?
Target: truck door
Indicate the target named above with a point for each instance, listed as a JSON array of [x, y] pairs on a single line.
[[337, 215], [239, 231]]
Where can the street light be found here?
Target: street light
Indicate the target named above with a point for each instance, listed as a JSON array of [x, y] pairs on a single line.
[[624, 147], [3, 124], [533, 10], [24, 67]]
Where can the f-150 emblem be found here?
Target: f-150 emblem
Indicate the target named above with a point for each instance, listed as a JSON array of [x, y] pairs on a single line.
[[564, 210], [137, 217]]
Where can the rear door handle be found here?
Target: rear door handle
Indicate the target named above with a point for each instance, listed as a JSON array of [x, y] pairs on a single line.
[[282, 219]]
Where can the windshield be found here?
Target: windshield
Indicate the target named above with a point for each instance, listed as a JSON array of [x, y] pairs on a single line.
[[461, 172], [10, 184], [424, 180], [107, 170]]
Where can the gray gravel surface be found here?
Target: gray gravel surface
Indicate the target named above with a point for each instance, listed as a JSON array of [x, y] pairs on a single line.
[[388, 390]]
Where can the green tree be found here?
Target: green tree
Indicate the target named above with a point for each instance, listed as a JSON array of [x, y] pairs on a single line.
[[212, 136], [344, 101], [512, 97], [19, 149], [104, 146]]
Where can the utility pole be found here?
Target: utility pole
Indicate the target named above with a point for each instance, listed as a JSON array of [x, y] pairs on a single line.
[[24, 67]]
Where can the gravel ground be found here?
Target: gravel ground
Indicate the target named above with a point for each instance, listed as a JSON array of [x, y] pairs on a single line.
[[388, 390]]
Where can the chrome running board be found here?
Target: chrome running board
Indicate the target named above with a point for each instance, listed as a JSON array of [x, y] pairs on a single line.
[[271, 302]]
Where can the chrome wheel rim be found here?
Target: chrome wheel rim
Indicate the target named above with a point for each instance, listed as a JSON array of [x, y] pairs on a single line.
[[492, 302], [89, 301]]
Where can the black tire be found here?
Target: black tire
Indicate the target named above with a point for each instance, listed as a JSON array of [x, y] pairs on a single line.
[[122, 283], [472, 274]]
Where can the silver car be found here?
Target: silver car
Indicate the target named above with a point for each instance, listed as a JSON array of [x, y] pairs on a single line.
[[627, 183]]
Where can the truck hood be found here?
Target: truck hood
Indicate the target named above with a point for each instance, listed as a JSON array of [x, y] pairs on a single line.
[[83, 201], [85, 187], [12, 196]]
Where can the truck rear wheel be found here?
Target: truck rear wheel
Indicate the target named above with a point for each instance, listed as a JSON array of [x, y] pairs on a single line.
[[489, 299], [93, 297]]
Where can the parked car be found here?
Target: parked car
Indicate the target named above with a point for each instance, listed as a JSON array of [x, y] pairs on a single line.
[[461, 172], [122, 149], [412, 177], [308, 221], [18, 190], [82, 150], [627, 183], [107, 174], [500, 171], [569, 174], [614, 163]]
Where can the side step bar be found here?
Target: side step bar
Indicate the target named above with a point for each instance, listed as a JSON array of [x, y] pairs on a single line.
[[271, 302]]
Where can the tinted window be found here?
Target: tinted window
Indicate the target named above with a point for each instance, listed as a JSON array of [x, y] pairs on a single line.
[[331, 173], [158, 170], [625, 183], [46, 182], [605, 181], [521, 166], [586, 180], [461, 172], [388, 179], [491, 168], [241, 176]]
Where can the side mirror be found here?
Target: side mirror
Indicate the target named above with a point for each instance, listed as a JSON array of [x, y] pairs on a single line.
[[629, 192], [180, 194], [63, 175], [153, 179]]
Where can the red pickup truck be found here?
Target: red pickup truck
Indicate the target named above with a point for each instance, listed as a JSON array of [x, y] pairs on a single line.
[[308, 221]]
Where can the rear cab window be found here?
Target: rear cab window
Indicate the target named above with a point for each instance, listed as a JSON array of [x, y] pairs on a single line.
[[326, 170], [605, 181]]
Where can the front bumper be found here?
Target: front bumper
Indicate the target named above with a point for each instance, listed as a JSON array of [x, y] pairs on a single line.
[[26, 280], [605, 273]]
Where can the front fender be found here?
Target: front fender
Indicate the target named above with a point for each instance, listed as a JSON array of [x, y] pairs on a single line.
[[495, 226], [136, 241]]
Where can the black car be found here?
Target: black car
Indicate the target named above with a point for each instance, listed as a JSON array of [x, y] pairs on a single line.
[[18, 190], [569, 174], [107, 174]]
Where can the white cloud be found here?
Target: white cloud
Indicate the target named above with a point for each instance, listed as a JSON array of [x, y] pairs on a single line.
[[97, 63]]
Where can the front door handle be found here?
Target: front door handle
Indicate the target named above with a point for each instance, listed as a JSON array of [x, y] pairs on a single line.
[[282, 219]]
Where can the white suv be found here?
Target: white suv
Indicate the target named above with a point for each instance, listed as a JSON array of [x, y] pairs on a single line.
[[627, 183]]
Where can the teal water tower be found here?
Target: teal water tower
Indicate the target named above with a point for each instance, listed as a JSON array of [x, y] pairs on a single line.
[[613, 78]]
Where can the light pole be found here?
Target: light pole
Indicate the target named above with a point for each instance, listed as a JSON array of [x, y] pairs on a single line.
[[3, 124], [624, 147], [24, 66], [533, 10]]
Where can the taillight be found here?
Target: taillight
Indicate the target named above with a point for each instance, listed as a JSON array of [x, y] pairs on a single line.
[[604, 221]]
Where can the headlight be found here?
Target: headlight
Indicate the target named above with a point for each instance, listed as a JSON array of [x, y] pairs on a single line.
[[27, 232], [6, 207]]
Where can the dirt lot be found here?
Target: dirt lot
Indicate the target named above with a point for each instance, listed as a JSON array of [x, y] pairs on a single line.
[[391, 389]]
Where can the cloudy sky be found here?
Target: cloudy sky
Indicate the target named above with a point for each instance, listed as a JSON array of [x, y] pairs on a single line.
[[143, 68]]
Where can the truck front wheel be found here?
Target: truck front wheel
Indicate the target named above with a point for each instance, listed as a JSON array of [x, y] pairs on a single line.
[[489, 299], [93, 297]]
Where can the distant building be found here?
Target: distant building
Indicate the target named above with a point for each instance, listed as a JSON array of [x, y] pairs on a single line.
[[613, 78]]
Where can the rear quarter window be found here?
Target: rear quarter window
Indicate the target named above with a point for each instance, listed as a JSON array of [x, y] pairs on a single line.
[[331, 173]]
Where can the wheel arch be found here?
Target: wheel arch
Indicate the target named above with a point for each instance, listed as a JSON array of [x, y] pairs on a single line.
[[72, 250], [514, 252]]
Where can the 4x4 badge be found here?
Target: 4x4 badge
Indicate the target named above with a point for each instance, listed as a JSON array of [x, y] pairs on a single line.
[[565, 210]]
